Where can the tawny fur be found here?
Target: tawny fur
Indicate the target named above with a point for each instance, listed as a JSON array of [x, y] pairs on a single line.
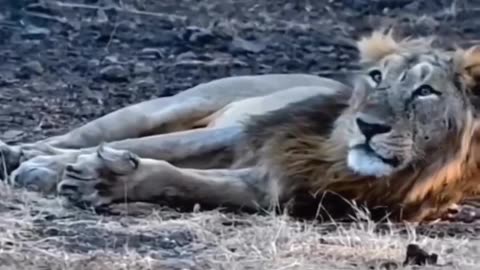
[[381, 43]]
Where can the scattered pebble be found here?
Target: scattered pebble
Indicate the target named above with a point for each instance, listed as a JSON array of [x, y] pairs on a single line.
[[141, 68], [242, 45], [93, 63], [151, 53], [417, 256], [186, 56], [30, 68], [198, 35], [33, 32], [114, 73]]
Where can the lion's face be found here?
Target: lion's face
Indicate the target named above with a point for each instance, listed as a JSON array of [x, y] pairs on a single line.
[[410, 109]]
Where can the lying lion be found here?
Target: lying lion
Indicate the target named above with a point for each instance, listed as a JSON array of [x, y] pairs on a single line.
[[404, 139]]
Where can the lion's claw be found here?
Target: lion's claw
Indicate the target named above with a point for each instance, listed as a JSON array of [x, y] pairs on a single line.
[[93, 180]]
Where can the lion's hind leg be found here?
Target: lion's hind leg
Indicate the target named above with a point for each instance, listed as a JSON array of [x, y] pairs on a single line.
[[162, 115], [111, 175], [157, 116]]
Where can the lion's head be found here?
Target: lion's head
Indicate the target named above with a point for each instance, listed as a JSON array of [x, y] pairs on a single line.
[[417, 102]]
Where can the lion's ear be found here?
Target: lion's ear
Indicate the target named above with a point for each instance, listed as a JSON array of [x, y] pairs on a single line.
[[376, 46], [467, 64]]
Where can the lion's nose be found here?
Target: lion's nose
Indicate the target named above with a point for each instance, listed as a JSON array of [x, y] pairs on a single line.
[[372, 129]]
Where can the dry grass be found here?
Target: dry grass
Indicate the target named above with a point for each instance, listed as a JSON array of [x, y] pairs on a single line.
[[38, 233]]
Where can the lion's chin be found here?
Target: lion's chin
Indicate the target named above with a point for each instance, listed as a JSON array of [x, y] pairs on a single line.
[[368, 164]]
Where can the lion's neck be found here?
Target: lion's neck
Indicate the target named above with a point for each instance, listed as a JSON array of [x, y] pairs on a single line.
[[448, 176]]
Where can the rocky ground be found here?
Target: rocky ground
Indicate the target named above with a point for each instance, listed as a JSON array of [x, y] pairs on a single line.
[[64, 63]]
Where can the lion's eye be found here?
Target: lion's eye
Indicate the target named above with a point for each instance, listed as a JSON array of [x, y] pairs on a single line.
[[376, 75], [425, 90]]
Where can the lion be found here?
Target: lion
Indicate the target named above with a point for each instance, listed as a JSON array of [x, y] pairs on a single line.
[[402, 138]]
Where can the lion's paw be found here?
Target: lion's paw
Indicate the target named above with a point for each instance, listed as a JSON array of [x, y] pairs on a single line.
[[40, 173], [98, 179], [463, 213], [12, 156]]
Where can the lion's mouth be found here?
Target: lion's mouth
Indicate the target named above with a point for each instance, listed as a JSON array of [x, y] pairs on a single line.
[[394, 161]]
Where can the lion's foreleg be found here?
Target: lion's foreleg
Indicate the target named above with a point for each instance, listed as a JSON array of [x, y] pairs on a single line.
[[199, 148], [113, 175]]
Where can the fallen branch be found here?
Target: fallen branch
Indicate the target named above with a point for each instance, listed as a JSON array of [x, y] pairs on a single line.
[[46, 17]]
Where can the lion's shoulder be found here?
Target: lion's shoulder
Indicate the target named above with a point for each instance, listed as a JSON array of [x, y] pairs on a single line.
[[315, 116]]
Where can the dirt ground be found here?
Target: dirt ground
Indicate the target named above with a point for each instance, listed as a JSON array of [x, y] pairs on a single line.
[[63, 63]]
